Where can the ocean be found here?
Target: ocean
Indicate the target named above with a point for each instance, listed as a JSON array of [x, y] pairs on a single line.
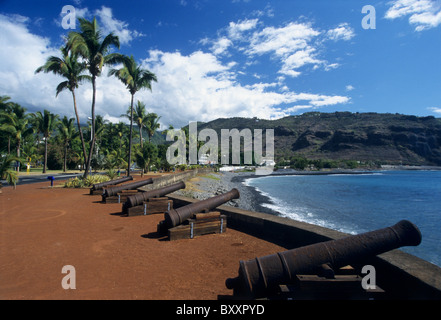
[[356, 203]]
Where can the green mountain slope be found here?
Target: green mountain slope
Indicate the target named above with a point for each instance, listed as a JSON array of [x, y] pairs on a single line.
[[367, 137]]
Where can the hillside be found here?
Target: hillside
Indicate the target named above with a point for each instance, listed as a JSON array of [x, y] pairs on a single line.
[[366, 137]]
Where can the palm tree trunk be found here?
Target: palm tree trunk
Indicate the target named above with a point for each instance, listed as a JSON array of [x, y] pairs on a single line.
[[45, 154], [140, 134], [18, 155], [65, 158], [130, 136], [79, 126], [92, 143]]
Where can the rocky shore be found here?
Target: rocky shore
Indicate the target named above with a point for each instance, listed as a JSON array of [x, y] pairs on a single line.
[[210, 185]]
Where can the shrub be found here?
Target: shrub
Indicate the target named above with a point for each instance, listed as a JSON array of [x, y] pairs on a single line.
[[74, 183], [85, 183]]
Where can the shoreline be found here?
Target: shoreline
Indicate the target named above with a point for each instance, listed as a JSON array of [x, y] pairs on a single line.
[[210, 185]]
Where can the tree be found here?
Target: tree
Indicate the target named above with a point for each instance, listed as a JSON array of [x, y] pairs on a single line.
[[4, 103], [89, 44], [16, 124], [45, 123], [6, 172], [67, 133], [145, 156], [71, 68], [4, 107], [152, 124], [140, 116], [135, 78]]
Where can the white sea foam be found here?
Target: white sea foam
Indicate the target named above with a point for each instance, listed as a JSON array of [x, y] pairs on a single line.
[[301, 214]]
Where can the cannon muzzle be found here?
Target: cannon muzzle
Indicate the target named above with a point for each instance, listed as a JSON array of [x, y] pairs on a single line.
[[261, 275], [112, 191], [176, 217], [139, 198]]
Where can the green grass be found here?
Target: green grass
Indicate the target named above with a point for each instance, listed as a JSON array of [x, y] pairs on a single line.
[[40, 171], [209, 176]]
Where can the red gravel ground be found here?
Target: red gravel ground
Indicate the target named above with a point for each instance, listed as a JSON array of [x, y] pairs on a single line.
[[43, 229]]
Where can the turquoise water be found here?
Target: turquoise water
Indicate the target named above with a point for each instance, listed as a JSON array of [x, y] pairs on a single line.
[[361, 203]]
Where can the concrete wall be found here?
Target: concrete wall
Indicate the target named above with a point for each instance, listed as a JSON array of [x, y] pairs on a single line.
[[401, 275]]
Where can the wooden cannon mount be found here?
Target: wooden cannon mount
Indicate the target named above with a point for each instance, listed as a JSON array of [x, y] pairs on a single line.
[[148, 207], [201, 224], [196, 219], [305, 271], [151, 202]]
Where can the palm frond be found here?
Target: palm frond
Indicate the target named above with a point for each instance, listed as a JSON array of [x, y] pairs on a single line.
[[61, 87]]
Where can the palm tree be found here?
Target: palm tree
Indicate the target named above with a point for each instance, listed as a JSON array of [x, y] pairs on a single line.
[[11, 108], [135, 78], [4, 101], [140, 116], [6, 172], [152, 124], [70, 68], [89, 44], [45, 123], [67, 133], [16, 124], [145, 156]]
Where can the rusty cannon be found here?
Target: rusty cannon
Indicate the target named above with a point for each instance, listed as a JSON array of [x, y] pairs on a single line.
[[138, 199], [99, 186], [175, 217], [112, 191], [260, 276]]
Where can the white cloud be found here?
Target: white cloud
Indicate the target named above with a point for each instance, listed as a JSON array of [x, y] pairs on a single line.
[[120, 28], [21, 53], [282, 41], [294, 45], [424, 14], [435, 110], [349, 87], [221, 45], [342, 32], [236, 30], [291, 44], [199, 86], [297, 108], [298, 60]]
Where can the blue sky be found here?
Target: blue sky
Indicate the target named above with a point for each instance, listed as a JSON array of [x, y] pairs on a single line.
[[225, 58]]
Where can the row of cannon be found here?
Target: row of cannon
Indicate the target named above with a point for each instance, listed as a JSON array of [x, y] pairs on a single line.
[[258, 277]]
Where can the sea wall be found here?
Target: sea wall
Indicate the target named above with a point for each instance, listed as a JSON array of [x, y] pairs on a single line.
[[168, 179], [401, 275]]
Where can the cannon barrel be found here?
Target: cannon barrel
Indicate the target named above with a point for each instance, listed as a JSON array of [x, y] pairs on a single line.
[[98, 186], [129, 186], [139, 198], [176, 217], [258, 276]]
